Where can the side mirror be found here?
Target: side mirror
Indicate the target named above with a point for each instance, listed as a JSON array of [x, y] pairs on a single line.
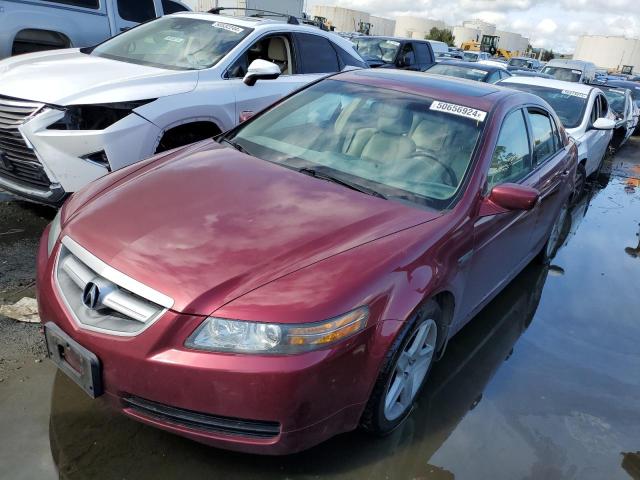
[[604, 124], [261, 70], [508, 197]]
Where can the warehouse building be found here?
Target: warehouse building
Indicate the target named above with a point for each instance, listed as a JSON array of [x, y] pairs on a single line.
[[349, 20], [416, 27], [473, 30], [609, 52]]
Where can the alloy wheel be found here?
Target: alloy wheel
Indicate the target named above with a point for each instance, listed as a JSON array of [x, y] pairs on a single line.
[[410, 370]]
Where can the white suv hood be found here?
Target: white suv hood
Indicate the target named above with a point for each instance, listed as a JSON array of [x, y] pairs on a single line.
[[66, 77]]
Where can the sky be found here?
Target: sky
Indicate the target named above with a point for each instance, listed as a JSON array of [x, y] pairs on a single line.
[[549, 24]]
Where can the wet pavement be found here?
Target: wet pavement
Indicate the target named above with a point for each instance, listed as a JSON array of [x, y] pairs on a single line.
[[543, 383]]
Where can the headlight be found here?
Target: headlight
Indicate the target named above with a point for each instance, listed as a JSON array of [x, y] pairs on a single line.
[[54, 232], [224, 335], [95, 117]]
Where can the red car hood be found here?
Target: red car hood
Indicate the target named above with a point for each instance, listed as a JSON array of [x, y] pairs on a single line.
[[216, 224]]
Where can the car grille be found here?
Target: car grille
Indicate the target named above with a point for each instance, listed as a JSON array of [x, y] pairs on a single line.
[[18, 161], [202, 421], [103, 299]]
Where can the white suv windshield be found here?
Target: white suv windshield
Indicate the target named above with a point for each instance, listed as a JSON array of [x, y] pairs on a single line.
[[401, 146], [177, 43]]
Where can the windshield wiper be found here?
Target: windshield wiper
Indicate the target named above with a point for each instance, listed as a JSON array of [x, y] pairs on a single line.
[[237, 146], [340, 181]]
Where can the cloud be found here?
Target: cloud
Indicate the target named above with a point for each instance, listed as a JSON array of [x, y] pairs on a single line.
[[555, 24]]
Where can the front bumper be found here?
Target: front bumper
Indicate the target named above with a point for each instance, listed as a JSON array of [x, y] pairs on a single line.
[[62, 153], [298, 400]]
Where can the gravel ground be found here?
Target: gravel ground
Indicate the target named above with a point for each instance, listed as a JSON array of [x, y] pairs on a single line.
[[20, 226]]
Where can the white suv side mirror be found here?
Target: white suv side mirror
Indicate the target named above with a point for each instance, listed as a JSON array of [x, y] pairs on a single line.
[[261, 70], [604, 124]]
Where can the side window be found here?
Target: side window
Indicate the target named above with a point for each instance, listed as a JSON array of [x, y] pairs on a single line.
[[136, 11], [493, 77], [169, 6], [604, 106], [594, 110], [408, 56], [542, 131], [316, 54], [556, 135], [94, 4], [275, 49], [423, 53], [348, 60], [512, 157]]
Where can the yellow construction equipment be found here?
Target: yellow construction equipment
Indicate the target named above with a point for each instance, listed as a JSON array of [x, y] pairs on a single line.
[[488, 44]]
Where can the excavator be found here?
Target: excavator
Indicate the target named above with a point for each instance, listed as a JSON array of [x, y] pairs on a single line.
[[488, 44]]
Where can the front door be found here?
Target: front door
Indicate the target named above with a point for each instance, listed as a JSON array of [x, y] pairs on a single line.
[[502, 242]]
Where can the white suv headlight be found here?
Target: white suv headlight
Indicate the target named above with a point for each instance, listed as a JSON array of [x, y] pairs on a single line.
[[224, 335], [54, 232]]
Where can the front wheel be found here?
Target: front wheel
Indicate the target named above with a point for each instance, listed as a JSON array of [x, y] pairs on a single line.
[[404, 373]]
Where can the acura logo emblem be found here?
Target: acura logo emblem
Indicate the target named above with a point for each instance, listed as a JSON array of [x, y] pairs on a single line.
[[91, 296]]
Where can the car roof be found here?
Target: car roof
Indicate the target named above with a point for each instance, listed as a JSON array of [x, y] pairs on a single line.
[[397, 39], [476, 65], [569, 63], [469, 93], [550, 83]]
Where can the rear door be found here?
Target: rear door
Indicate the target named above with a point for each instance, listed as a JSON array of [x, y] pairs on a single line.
[[550, 162], [502, 242]]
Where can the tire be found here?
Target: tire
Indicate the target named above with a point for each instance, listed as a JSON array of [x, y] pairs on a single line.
[[557, 235], [579, 183], [404, 375]]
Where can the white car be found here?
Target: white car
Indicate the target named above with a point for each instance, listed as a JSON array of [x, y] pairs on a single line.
[[585, 113], [68, 117]]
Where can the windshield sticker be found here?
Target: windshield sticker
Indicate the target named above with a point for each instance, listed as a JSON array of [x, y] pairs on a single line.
[[574, 94], [174, 39], [393, 42], [228, 27], [577, 72], [459, 110]]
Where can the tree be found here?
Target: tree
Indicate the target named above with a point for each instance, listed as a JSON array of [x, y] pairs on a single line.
[[548, 55], [442, 35]]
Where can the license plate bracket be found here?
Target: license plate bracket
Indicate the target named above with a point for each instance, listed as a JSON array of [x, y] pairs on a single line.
[[78, 363]]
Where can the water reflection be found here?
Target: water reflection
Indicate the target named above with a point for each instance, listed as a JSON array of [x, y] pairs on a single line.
[[90, 441]]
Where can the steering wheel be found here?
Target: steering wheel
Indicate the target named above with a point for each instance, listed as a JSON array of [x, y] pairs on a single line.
[[446, 169]]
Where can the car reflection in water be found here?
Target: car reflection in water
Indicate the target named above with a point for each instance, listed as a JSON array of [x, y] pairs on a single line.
[[89, 441]]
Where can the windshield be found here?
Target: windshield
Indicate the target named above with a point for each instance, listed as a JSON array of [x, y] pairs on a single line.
[[470, 56], [520, 62], [568, 105], [616, 100], [177, 43], [566, 74], [377, 49], [459, 71], [402, 146]]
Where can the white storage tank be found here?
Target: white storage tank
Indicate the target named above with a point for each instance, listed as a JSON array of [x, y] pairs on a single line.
[[288, 7], [382, 26], [416, 27], [609, 52], [343, 19], [465, 34]]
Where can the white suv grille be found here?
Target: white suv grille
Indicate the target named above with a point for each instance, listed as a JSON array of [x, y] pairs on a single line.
[[102, 299]]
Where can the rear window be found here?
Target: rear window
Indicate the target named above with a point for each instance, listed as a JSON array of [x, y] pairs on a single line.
[[568, 105], [565, 74], [459, 71]]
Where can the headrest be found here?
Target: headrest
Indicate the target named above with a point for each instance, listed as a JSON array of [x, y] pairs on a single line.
[[392, 118], [429, 134], [277, 50]]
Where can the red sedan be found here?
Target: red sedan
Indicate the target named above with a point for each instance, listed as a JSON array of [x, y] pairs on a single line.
[[297, 278]]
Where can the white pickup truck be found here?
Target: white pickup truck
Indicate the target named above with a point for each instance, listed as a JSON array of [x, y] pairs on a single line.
[[34, 25]]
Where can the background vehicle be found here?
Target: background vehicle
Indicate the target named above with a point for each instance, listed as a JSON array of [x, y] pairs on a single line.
[[391, 52], [523, 63], [584, 112], [571, 70], [470, 56], [469, 70], [72, 116], [529, 73], [439, 48], [48, 24], [488, 45], [634, 88], [387, 177], [625, 112], [452, 55]]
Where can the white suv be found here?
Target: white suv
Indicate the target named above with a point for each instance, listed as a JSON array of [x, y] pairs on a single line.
[[68, 117]]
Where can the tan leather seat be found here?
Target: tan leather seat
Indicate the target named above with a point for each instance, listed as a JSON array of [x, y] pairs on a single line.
[[386, 143], [430, 135], [277, 53]]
